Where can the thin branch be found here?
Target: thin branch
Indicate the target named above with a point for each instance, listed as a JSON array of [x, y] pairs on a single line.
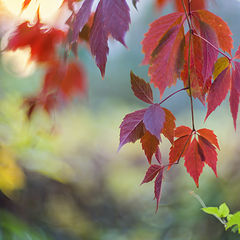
[[204, 39], [182, 89], [189, 79], [186, 14], [204, 206]]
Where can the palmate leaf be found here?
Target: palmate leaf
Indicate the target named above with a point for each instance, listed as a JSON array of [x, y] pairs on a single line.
[[196, 152]]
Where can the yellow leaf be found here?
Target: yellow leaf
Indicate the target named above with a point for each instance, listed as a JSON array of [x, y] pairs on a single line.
[[221, 64]]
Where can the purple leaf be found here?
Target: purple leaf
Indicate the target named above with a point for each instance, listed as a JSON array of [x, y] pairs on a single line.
[[151, 173], [154, 119], [209, 53], [141, 89], [132, 128], [158, 186], [111, 18], [81, 18]]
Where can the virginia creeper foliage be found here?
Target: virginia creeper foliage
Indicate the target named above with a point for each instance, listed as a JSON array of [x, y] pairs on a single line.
[[191, 45]]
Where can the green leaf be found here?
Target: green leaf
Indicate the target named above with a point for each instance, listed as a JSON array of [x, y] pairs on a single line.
[[211, 210], [223, 210], [234, 220]]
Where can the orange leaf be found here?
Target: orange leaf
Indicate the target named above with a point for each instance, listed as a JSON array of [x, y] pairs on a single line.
[[182, 131], [209, 135], [149, 145], [169, 125]]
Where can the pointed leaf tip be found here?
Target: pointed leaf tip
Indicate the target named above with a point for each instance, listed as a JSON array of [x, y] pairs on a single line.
[[141, 89]]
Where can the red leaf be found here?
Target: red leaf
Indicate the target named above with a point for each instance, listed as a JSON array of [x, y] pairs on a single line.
[[178, 149], [195, 4], [42, 41], [237, 54], [234, 93], [194, 160], [158, 187], [198, 88], [182, 131], [111, 18], [149, 145], [141, 89], [25, 4], [209, 135], [209, 153], [218, 91], [158, 156], [68, 79], [169, 125], [209, 53], [132, 128], [154, 119], [219, 26], [151, 173], [162, 46], [81, 18]]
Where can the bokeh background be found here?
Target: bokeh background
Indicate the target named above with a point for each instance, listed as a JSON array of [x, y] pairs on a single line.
[[61, 176]]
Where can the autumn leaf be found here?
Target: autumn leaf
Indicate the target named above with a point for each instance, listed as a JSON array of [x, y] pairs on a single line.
[[151, 173], [195, 4], [41, 39], [209, 136], [210, 154], [163, 46], [141, 89], [149, 145], [158, 187], [182, 131], [67, 79], [81, 19], [220, 27], [194, 160], [169, 125], [154, 119], [132, 128], [178, 149], [111, 18]]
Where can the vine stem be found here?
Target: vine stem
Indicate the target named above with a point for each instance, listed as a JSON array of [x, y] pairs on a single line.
[[182, 89], [204, 206], [204, 39], [187, 14]]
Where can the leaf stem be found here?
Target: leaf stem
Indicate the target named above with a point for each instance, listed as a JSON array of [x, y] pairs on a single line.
[[204, 39], [188, 14], [182, 89], [204, 206]]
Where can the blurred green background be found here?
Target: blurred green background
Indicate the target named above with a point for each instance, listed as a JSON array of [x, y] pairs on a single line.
[[62, 178]]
